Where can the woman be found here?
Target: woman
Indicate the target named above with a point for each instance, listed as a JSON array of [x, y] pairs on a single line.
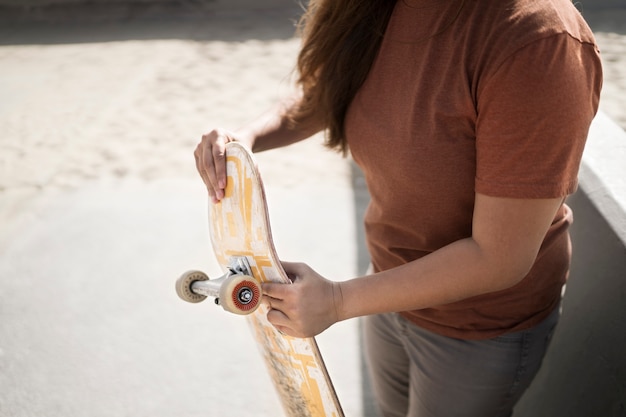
[[468, 119]]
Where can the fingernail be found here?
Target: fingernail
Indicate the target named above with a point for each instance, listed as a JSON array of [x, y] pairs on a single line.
[[222, 184]]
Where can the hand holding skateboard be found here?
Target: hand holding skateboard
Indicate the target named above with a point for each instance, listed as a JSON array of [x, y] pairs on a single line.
[[242, 242], [306, 308], [210, 155]]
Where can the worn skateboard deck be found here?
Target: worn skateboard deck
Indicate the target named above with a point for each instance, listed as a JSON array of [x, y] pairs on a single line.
[[239, 227]]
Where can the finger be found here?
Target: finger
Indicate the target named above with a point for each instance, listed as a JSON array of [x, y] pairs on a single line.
[[272, 303], [275, 290], [294, 269], [211, 161], [198, 157], [219, 160], [280, 321], [208, 164]]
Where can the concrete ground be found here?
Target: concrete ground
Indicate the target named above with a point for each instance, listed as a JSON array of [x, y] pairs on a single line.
[[101, 210], [91, 325]]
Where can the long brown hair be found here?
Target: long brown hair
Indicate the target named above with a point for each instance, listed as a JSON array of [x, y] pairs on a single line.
[[340, 41]]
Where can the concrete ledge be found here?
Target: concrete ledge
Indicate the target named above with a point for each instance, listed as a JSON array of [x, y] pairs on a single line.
[[603, 172], [584, 371]]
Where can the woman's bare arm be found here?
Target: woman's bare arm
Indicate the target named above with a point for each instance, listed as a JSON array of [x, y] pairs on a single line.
[[507, 235]]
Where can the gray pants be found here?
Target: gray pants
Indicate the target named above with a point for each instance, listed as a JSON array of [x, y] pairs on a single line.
[[416, 373]]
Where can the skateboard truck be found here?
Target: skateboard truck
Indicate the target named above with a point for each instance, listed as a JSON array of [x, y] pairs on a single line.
[[236, 291]]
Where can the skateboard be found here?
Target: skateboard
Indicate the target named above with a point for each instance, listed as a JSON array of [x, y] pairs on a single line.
[[242, 241]]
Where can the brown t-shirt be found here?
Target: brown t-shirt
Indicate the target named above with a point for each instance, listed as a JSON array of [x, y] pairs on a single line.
[[491, 97]]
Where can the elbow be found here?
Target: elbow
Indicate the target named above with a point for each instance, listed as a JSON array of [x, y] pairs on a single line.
[[504, 267], [512, 269], [517, 275]]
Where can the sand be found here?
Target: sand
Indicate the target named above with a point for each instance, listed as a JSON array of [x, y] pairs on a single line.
[[132, 99]]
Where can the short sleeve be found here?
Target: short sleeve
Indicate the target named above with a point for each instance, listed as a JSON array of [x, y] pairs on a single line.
[[534, 113]]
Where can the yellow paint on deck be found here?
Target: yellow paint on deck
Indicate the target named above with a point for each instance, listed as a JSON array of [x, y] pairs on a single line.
[[295, 367]]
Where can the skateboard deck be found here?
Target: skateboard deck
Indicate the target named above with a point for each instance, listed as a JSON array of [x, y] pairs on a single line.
[[242, 241]]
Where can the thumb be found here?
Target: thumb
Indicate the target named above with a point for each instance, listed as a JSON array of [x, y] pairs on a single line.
[[294, 270]]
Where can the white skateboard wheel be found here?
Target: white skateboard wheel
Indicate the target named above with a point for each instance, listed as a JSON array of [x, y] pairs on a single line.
[[184, 283], [240, 294]]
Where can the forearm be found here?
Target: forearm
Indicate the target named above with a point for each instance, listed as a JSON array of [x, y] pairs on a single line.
[[274, 129], [456, 272]]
